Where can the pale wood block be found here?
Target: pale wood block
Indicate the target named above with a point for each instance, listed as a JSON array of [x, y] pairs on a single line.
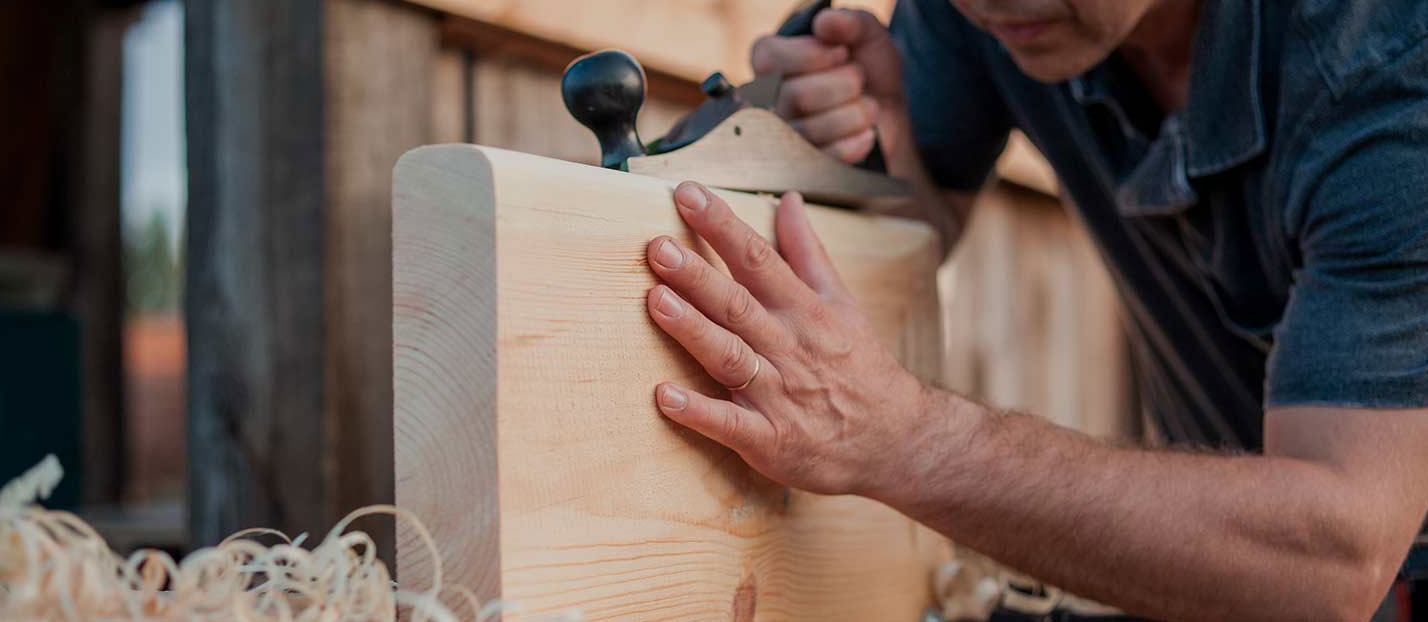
[[526, 433]]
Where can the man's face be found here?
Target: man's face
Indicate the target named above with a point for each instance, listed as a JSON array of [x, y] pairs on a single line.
[[1054, 40]]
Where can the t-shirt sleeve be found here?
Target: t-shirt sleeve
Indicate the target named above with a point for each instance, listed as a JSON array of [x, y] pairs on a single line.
[[1355, 331], [958, 119]]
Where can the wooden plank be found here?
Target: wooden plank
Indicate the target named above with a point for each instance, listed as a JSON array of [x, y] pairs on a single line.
[[254, 301], [526, 434]]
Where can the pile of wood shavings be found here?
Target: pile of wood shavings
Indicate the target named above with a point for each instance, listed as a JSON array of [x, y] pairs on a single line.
[[54, 567]]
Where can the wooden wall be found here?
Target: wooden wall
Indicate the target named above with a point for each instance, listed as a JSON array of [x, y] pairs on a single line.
[[297, 111], [688, 38], [1031, 319]]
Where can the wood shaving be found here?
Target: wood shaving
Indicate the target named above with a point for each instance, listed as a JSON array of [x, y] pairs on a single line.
[[55, 568]]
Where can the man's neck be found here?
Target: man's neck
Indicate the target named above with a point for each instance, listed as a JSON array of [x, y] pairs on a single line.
[[1159, 51]]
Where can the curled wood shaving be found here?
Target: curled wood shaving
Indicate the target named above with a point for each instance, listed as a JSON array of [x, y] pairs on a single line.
[[55, 567]]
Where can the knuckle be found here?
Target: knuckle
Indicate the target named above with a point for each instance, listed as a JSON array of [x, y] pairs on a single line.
[[739, 308], [697, 276], [757, 251], [732, 362], [730, 426]]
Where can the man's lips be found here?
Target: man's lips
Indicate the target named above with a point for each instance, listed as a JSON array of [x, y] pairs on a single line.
[[1020, 32]]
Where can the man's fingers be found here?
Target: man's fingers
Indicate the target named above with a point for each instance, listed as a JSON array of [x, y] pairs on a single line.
[[718, 296], [848, 27], [751, 259], [802, 248], [809, 94], [791, 55], [853, 148], [842, 122], [727, 358], [727, 423]]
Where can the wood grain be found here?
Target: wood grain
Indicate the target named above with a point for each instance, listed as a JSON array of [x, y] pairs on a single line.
[[526, 434]]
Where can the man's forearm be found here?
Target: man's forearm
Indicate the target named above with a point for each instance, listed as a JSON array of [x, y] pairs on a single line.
[[1168, 534]]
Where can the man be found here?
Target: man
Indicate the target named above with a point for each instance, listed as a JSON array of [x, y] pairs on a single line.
[[1253, 172]]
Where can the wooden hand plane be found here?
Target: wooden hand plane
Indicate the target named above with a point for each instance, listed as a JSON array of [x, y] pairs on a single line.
[[734, 140]]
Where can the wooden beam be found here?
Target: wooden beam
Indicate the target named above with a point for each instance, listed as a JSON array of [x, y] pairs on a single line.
[[492, 40], [686, 39], [296, 113], [254, 295], [526, 434]]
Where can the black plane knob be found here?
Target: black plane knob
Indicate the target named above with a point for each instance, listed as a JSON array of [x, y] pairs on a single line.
[[604, 91]]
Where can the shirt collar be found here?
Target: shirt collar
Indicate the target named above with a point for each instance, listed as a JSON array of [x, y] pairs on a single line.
[[1221, 126], [1224, 120]]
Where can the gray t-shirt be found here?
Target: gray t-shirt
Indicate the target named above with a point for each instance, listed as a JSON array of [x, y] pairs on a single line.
[[1270, 240]]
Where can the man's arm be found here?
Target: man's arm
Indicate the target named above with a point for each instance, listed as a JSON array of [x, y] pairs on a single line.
[[1313, 530]]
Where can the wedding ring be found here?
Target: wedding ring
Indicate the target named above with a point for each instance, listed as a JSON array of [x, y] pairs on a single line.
[[757, 364]]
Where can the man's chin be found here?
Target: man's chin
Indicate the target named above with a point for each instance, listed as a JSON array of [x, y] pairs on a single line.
[[1053, 66]]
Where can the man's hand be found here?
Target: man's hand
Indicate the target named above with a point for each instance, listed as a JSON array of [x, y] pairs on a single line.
[[839, 85], [819, 404], [838, 82]]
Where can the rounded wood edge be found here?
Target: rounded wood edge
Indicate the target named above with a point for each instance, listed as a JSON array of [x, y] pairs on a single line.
[[444, 335]]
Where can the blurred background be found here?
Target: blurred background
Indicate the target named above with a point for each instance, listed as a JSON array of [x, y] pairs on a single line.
[[195, 277]]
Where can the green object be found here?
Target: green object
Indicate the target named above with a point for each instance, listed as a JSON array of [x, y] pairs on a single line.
[[40, 397]]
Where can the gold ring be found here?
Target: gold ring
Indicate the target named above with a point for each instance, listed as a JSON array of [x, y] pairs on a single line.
[[757, 364]]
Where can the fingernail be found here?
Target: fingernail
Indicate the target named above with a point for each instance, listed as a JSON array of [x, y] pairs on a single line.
[[667, 255], [668, 305], [672, 398], [690, 197]]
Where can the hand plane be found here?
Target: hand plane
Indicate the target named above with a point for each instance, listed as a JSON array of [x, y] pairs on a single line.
[[733, 140]]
